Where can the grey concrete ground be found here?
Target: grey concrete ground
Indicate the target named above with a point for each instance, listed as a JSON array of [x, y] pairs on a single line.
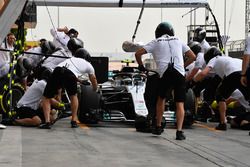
[[119, 145]]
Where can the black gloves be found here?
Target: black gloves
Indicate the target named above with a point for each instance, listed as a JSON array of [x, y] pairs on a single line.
[[142, 68]]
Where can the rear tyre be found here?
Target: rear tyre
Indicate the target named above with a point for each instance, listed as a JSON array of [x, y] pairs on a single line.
[[142, 124]]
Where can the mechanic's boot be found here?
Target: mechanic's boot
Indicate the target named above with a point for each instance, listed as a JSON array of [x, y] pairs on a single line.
[[180, 135], [221, 126], [74, 124], [46, 125]]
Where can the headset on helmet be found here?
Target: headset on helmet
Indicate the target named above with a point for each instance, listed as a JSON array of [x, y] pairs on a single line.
[[195, 47], [47, 47], [199, 34], [83, 53], [164, 28], [74, 44], [211, 53]]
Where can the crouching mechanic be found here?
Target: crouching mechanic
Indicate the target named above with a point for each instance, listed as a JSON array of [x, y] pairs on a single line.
[[229, 70], [66, 75], [168, 51], [27, 63], [29, 111]]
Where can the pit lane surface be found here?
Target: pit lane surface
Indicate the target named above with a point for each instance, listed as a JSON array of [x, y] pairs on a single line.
[[119, 145]]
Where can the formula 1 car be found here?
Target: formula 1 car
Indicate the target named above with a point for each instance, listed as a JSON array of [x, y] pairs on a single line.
[[128, 95], [121, 98]]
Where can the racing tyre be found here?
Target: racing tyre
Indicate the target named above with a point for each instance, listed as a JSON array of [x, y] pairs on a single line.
[[189, 106], [3, 81], [163, 122], [17, 92], [89, 105], [143, 124]]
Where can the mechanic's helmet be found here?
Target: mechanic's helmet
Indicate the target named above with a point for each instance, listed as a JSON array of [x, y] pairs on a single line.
[[42, 73], [47, 47], [195, 47], [72, 33], [42, 40], [211, 53], [83, 53], [27, 64], [199, 34], [22, 67], [46, 74], [164, 28], [74, 44]]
